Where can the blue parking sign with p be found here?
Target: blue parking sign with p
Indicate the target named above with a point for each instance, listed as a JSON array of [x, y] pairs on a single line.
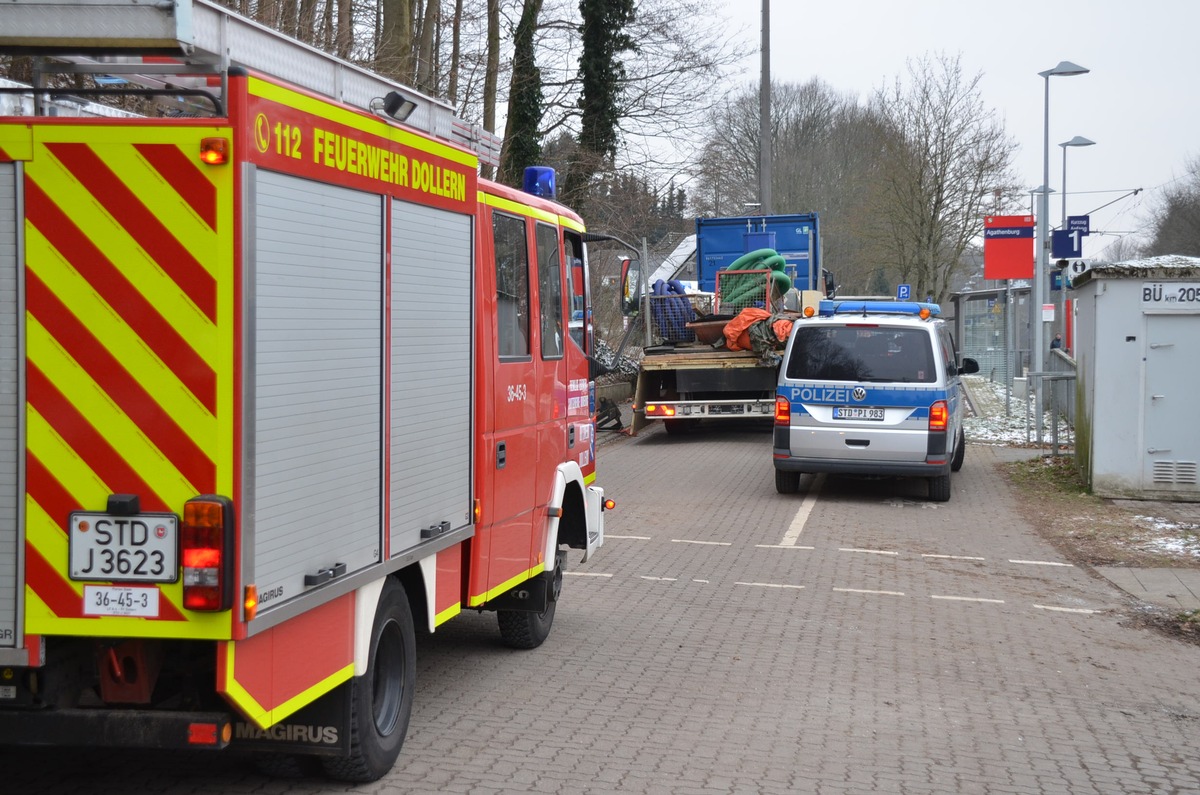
[[903, 292]]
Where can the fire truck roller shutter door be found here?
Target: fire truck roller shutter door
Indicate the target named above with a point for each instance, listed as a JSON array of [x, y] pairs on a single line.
[[431, 361], [316, 394]]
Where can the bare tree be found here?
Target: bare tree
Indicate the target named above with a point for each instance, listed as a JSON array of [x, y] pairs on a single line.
[[394, 53], [1123, 248], [425, 78], [455, 52], [945, 152], [1176, 219], [825, 160]]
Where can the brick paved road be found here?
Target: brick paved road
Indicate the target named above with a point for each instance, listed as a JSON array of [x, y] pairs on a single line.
[[729, 639]]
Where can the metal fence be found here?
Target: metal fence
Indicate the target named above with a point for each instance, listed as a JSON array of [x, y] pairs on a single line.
[[670, 314], [993, 329], [984, 321]]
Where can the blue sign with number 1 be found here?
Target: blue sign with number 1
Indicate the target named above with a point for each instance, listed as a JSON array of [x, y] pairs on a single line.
[[1065, 243]]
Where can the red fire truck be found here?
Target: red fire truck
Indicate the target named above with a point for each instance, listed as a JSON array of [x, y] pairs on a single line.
[[282, 381]]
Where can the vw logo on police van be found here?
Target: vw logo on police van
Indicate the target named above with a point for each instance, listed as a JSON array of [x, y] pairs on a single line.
[[859, 393]]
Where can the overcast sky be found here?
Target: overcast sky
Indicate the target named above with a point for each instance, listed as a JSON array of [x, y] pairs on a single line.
[[1140, 103]]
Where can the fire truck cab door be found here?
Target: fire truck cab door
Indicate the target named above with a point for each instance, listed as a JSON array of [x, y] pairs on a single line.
[[514, 407]]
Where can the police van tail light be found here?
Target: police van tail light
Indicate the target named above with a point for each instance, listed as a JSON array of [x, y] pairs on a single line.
[[939, 416], [206, 540], [783, 411]]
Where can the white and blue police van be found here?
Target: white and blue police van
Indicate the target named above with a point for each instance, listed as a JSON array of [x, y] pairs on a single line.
[[871, 388]]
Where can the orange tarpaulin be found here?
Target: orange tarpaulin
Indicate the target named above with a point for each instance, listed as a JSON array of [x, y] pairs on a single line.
[[737, 331]]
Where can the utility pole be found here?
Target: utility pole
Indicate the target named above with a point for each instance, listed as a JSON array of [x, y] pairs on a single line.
[[764, 114]]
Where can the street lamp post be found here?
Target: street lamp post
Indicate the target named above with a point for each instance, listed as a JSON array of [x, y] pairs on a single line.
[[1078, 140], [1034, 313], [1038, 359]]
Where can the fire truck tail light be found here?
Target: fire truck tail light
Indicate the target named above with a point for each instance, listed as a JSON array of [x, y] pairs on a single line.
[[939, 416], [206, 538], [783, 411], [214, 151], [200, 734]]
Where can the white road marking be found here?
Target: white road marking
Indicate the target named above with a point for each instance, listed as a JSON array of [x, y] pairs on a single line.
[[634, 538], [801, 518], [705, 582], [1083, 610], [780, 546], [660, 579], [952, 557], [860, 590], [1043, 563], [704, 543], [585, 574], [968, 599], [868, 551], [770, 585]]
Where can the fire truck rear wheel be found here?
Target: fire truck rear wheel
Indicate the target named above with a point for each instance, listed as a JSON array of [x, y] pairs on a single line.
[[381, 699]]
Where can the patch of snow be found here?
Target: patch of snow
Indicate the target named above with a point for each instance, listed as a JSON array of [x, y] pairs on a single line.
[[1163, 261], [1004, 421], [1167, 537]]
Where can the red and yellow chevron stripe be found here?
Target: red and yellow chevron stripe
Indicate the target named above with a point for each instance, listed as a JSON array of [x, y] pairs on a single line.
[[130, 330]]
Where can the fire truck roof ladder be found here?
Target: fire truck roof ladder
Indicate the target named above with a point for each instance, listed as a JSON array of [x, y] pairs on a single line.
[[187, 46]]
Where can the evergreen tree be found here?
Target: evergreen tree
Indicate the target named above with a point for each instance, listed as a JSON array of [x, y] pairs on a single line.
[[522, 145], [601, 72]]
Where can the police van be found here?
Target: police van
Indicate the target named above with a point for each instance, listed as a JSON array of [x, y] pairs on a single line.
[[871, 388]]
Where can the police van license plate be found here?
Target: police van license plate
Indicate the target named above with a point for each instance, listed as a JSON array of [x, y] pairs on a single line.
[[139, 548], [857, 413]]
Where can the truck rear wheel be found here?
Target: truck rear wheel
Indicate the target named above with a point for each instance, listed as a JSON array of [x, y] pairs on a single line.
[[381, 699], [680, 426]]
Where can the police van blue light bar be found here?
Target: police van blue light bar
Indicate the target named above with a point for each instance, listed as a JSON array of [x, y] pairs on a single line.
[[831, 308], [540, 181]]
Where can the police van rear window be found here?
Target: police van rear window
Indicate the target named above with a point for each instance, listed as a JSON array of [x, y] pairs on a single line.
[[873, 354]]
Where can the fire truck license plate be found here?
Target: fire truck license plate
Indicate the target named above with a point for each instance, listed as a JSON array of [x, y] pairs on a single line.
[[140, 548]]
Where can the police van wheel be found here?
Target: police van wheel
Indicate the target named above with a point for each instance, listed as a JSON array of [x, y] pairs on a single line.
[[939, 488], [787, 482], [381, 699], [960, 452]]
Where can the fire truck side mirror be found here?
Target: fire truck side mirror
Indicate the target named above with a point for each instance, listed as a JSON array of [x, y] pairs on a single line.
[[630, 272]]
